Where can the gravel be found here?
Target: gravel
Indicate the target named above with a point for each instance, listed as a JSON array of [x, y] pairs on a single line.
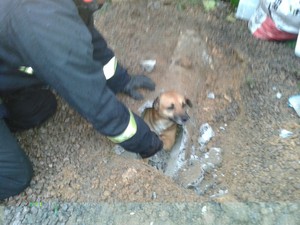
[[153, 213]]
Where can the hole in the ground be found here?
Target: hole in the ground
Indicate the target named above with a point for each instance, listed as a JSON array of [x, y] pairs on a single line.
[[190, 168], [169, 162]]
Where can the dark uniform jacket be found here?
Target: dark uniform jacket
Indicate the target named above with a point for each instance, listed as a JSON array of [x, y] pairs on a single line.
[[50, 37]]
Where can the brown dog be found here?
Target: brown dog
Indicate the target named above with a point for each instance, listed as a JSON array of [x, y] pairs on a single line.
[[168, 111]]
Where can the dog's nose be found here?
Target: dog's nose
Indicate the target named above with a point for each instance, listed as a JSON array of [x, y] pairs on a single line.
[[185, 118]]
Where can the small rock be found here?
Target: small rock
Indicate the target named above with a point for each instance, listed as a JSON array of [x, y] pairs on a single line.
[[154, 196], [185, 62], [206, 133], [64, 207], [106, 193]]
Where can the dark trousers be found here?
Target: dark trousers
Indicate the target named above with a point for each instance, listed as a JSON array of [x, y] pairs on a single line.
[[15, 167]]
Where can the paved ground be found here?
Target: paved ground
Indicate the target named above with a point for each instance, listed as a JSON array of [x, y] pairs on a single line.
[[153, 213]]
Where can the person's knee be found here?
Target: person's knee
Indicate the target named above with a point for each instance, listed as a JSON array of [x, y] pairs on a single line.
[[23, 180], [15, 167], [28, 108], [17, 180]]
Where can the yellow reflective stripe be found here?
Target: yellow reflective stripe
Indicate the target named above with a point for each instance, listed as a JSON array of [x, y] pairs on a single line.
[[127, 133], [110, 68], [27, 70]]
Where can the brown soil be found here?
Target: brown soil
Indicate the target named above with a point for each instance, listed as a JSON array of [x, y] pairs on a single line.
[[72, 162]]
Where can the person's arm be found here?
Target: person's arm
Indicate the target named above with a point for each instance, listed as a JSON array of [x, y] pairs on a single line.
[[117, 76], [51, 38]]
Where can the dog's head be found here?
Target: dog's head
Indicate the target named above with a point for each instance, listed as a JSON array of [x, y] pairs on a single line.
[[173, 106]]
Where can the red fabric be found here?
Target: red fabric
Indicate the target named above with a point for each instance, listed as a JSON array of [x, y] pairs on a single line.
[[269, 31]]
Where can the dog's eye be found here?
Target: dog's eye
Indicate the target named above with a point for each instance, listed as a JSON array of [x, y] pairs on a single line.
[[171, 107]]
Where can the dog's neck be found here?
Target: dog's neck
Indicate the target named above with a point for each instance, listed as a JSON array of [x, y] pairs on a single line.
[[160, 124]]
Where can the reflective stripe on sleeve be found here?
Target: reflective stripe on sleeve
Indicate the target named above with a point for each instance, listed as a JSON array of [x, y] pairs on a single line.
[[110, 68], [128, 133], [27, 70]]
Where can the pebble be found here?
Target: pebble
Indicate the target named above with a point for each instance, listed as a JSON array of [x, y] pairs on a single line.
[[106, 193], [154, 195]]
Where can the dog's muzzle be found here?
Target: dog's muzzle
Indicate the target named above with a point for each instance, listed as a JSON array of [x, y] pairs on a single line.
[[181, 119]]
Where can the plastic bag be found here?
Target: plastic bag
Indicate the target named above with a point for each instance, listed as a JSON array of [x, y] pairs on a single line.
[[276, 20]]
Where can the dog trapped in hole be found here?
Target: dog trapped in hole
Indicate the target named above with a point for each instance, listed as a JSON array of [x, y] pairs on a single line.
[[168, 110]]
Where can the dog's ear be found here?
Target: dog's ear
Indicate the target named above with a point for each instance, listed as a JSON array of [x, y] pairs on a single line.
[[188, 102], [156, 104]]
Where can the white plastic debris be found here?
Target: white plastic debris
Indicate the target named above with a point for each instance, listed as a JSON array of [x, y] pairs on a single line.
[[206, 133], [148, 65], [285, 133], [222, 128], [294, 102], [297, 48], [278, 95], [276, 20], [211, 95], [154, 195], [246, 9]]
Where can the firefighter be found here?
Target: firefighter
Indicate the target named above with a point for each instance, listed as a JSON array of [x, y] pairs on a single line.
[[53, 45]]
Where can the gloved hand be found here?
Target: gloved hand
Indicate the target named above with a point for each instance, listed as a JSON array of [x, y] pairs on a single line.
[[157, 146], [138, 81], [144, 142]]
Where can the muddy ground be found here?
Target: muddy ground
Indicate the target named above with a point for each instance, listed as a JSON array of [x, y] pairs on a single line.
[[73, 163]]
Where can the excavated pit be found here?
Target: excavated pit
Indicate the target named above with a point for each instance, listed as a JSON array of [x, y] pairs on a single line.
[[195, 71]]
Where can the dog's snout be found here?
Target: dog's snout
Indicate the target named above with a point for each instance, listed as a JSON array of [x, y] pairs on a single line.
[[185, 118], [180, 119]]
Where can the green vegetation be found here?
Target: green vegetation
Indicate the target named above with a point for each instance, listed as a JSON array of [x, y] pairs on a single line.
[[207, 4], [250, 81], [234, 3], [291, 44]]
